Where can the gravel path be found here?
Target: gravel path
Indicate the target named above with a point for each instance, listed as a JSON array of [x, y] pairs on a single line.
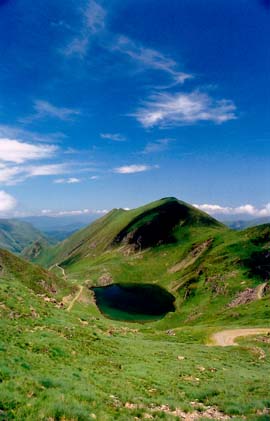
[[228, 337]]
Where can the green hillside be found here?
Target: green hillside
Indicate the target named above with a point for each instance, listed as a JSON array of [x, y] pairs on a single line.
[[15, 235], [169, 243], [37, 279], [61, 359], [156, 223]]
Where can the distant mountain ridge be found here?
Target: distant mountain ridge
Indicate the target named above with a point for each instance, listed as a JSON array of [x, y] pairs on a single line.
[[15, 235], [243, 224], [57, 228]]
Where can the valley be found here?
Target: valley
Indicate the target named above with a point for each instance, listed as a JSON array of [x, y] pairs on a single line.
[[63, 359]]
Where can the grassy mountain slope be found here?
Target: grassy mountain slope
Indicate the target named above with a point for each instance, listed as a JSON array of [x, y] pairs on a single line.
[[61, 359], [213, 272], [15, 235], [39, 280], [156, 223], [72, 364]]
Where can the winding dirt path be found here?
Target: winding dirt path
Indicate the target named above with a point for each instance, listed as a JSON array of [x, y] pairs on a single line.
[[56, 265], [77, 296], [228, 337]]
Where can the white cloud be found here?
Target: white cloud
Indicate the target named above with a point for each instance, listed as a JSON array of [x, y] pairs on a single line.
[[47, 109], [93, 21], [157, 146], [132, 169], [164, 109], [247, 209], [7, 202], [71, 180], [12, 150], [11, 175], [15, 156], [23, 135], [78, 212], [48, 169], [94, 177], [150, 58], [116, 137]]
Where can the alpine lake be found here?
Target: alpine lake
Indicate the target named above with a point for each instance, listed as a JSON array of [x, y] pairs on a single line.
[[134, 302]]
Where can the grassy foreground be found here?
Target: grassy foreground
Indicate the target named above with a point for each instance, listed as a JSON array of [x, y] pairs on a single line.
[[61, 359], [77, 365]]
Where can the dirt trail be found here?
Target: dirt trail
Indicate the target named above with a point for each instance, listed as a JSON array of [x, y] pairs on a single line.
[[77, 296], [56, 265], [227, 337]]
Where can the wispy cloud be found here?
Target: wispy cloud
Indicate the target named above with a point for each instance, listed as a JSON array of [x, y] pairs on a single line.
[[247, 209], [17, 132], [15, 158], [149, 58], [49, 212], [95, 16], [92, 22], [46, 170], [159, 145], [93, 25], [132, 169], [12, 175], [116, 137], [45, 109], [12, 150], [7, 202], [94, 177], [165, 109], [70, 180]]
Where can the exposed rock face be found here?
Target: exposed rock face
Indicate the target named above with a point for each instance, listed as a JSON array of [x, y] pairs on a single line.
[[194, 254], [249, 295], [105, 279]]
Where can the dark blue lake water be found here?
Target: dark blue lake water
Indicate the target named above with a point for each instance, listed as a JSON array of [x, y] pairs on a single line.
[[134, 302]]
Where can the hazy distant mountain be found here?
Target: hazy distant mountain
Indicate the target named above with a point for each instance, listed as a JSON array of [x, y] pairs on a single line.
[[15, 235], [242, 224], [59, 228]]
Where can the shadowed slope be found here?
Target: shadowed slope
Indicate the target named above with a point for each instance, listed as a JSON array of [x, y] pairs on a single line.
[[148, 226]]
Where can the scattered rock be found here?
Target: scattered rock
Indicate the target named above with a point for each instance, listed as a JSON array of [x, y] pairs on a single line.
[[105, 279], [200, 411], [191, 379], [244, 297], [170, 332]]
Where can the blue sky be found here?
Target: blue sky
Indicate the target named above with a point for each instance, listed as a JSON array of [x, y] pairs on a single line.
[[114, 104]]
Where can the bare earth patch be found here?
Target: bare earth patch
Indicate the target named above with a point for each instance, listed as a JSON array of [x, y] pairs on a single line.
[[195, 253], [228, 337], [249, 295]]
